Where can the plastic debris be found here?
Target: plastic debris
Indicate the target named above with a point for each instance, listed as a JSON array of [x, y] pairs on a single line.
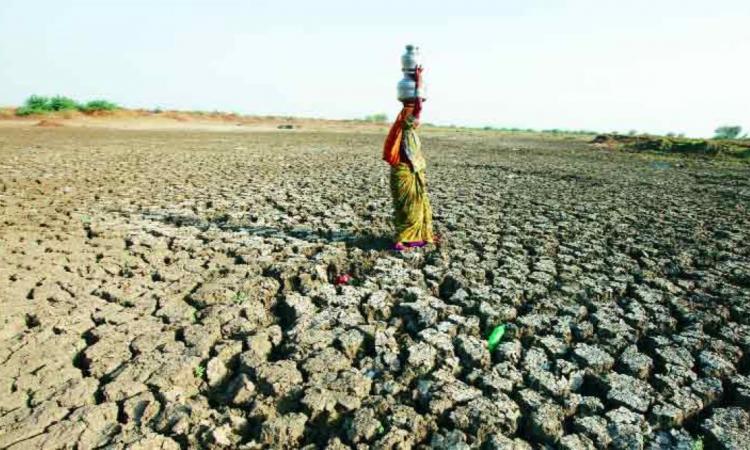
[[343, 279], [495, 337]]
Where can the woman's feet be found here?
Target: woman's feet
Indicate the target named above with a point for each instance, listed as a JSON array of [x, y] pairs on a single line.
[[401, 246], [398, 247]]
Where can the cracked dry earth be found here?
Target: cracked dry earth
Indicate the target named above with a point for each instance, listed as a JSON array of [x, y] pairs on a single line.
[[166, 290]]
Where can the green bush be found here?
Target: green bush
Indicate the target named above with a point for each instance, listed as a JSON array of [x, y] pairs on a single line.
[[98, 105], [60, 103], [25, 111], [37, 104]]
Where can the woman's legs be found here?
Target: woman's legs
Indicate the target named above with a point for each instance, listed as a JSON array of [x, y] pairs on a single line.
[[412, 211]]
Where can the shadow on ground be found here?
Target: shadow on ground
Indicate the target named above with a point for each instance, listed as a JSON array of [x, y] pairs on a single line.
[[352, 239]]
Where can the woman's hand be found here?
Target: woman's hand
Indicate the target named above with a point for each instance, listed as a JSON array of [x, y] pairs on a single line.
[[418, 76]]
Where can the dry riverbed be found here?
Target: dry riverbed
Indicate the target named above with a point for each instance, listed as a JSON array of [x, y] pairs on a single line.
[[174, 289]]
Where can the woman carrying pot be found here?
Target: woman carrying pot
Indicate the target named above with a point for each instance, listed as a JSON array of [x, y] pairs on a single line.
[[403, 151]]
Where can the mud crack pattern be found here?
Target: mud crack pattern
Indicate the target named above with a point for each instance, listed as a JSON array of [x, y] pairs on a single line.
[[175, 290]]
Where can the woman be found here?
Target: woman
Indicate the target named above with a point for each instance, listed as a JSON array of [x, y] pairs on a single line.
[[402, 150]]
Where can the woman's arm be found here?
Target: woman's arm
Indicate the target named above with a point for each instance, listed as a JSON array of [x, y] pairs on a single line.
[[417, 84]]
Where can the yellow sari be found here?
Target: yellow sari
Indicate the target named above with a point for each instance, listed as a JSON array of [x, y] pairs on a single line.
[[411, 205]]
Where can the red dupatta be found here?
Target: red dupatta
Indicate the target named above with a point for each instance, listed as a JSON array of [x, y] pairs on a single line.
[[392, 145]]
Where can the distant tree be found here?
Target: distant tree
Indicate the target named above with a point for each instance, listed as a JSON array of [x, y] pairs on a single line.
[[377, 118], [728, 132], [632, 132]]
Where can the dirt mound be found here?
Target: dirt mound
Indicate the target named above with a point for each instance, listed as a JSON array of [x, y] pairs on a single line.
[[7, 113], [49, 123]]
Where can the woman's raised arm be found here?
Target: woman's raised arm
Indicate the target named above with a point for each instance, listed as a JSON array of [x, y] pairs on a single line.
[[417, 84]]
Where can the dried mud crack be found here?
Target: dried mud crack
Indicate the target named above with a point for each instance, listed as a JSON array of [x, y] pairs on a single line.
[[175, 290]]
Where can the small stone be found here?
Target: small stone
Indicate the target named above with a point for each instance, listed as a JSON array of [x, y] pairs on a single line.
[[350, 342], [535, 359], [709, 390], [545, 381], [677, 356], [634, 363], [570, 404], [421, 358], [216, 371], [727, 429], [482, 416], [220, 436], [713, 365], [676, 439], [627, 429], [740, 389], [582, 330], [546, 423], [509, 351], [576, 442], [664, 416], [395, 439], [449, 440], [590, 406], [363, 426], [688, 402], [279, 377], [472, 351], [593, 357], [501, 442], [554, 347], [377, 306], [241, 390], [259, 346], [595, 428], [284, 431], [628, 391]]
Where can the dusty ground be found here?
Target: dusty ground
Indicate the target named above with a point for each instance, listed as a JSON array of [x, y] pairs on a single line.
[[172, 289]]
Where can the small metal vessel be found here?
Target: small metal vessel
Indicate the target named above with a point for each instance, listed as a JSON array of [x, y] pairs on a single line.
[[406, 88], [411, 58]]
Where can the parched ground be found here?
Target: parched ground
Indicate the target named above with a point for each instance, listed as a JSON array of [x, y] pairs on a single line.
[[174, 289]]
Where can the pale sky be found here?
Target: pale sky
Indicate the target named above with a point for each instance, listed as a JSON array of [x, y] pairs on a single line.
[[606, 65]]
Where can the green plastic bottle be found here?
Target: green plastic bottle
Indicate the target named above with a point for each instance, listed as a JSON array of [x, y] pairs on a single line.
[[495, 337]]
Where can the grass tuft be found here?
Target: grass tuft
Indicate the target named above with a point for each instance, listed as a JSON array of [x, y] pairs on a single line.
[[240, 298]]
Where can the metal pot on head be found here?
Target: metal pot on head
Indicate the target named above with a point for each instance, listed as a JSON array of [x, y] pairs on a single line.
[[406, 88], [411, 58]]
